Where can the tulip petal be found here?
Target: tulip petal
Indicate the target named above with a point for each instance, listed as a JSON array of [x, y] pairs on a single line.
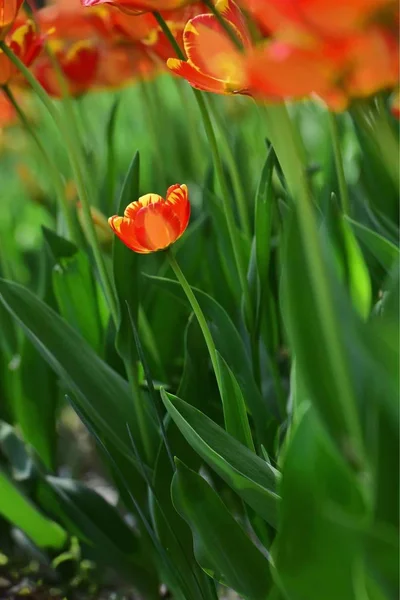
[[232, 13], [198, 80], [125, 230], [132, 208], [177, 198], [156, 226], [212, 52]]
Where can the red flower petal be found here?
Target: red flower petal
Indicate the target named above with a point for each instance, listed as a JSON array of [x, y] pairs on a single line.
[[125, 230], [156, 226], [177, 198], [196, 79]]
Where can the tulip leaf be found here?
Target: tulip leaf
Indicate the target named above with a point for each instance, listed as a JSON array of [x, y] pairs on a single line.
[[357, 272], [22, 513], [246, 473], [263, 219], [235, 414], [230, 346], [75, 293], [36, 413], [318, 317], [89, 517], [101, 393], [125, 268], [315, 553], [221, 546], [172, 531], [381, 248]]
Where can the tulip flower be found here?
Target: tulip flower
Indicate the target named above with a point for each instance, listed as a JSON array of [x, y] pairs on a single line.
[[8, 13], [214, 63], [295, 20], [72, 22], [138, 6], [152, 223], [337, 71], [26, 44], [78, 63]]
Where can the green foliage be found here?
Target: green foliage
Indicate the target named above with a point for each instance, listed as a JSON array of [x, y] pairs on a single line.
[[273, 471]]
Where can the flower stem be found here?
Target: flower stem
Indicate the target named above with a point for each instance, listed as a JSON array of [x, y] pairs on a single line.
[[53, 170], [76, 160], [198, 313], [228, 211], [337, 152]]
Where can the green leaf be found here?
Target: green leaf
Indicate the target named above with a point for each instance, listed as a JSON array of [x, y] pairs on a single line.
[[20, 463], [172, 531], [246, 473], [86, 515], [20, 511], [315, 554], [381, 248], [101, 393], [195, 384], [59, 246], [322, 329], [221, 546], [263, 218], [357, 272], [75, 293], [230, 345], [125, 267], [36, 413], [111, 177], [235, 414]]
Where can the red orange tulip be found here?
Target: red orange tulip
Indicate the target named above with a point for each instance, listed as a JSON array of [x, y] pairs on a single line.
[[152, 223], [137, 6], [26, 44], [214, 62], [8, 13], [78, 63]]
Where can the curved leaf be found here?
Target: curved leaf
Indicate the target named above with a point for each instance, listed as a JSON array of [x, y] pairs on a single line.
[[102, 394], [246, 473], [221, 546]]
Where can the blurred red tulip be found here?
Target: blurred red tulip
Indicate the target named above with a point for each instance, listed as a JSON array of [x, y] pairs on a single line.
[[8, 13], [73, 22], [138, 6], [214, 63], [123, 64], [26, 44], [337, 71], [152, 223], [8, 115], [78, 63], [293, 20]]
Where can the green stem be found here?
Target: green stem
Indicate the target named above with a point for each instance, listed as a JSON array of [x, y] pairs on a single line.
[[337, 152], [77, 160], [227, 204], [198, 313], [54, 173]]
